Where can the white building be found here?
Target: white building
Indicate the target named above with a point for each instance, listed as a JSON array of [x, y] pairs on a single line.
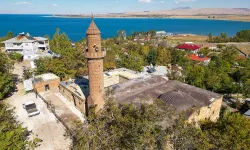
[[26, 45], [161, 33], [120, 75]]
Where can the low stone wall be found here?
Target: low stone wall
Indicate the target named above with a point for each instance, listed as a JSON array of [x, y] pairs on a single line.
[[78, 102], [115, 79], [211, 112]]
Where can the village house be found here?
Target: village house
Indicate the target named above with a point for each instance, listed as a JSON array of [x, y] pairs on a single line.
[[42, 83], [161, 33], [26, 45], [200, 58], [189, 46], [46, 82]]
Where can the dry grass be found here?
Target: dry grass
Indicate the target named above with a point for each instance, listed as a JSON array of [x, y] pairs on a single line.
[[245, 18], [235, 17], [193, 38], [244, 48]]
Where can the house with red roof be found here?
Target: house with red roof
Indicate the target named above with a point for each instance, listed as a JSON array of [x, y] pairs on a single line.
[[200, 58], [189, 46]]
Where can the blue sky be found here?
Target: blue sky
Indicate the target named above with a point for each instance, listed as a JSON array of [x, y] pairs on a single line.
[[108, 6]]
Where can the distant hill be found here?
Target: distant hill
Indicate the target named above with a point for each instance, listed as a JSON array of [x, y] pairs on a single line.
[[187, 11], [181, 8], [245, 9]]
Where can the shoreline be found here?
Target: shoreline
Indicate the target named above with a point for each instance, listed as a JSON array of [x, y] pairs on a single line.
[[223, 18]]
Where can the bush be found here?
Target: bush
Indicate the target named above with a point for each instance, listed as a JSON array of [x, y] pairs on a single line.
[[16, 56], [13, 135]]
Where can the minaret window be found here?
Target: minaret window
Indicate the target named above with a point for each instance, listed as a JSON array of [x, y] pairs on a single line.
[[86, 49]]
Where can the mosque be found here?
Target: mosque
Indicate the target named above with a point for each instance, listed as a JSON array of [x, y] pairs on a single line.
[[129, 87]]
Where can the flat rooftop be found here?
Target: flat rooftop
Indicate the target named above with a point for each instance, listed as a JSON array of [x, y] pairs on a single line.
[[45, 77], [78, 87], [126, 73]]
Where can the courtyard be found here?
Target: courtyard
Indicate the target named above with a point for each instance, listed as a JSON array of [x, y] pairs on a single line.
[[44, 126]]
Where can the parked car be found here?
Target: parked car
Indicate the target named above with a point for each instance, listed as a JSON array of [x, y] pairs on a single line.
[[31, 109], [50, 52]]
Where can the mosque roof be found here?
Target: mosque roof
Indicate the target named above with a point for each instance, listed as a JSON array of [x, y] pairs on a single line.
[[181, 96]]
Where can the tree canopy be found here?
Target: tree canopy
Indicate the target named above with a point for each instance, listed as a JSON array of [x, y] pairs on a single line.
[[71, 61], [123, 126], [241, 36], [127, 126], [12, 134], [6, 78]]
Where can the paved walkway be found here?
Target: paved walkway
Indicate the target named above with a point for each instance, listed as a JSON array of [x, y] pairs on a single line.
[[71, 106], [63, 108]]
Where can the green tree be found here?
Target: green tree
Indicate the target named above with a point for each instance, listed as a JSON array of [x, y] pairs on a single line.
[[210, 37], [123, 126], [6, 79], [163, 56], [243, 35], [152, 56], [70, 61], [223, 35], [6, 84], [229, 132], [187, 136], [132, 61], [179, 57], [13, 135], [16, 56], [246, 88], [61, 44], [195, 75], [10, 35]]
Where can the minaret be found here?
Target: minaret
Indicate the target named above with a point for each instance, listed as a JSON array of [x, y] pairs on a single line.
[[95, 55]]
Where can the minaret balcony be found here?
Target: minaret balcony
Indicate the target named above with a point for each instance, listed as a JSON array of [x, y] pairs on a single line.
[[95, 55]]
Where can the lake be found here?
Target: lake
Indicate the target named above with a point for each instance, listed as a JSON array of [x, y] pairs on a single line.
[[75, 28]]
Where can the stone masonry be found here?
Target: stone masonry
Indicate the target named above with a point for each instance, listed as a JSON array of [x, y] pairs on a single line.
[[95, 55]]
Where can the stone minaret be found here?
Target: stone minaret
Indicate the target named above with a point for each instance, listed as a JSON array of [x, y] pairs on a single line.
[[95, 55]]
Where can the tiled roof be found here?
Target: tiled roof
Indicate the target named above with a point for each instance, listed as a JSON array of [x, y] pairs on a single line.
[[40, 38], [22, 38], [198, 58], [188, 46]]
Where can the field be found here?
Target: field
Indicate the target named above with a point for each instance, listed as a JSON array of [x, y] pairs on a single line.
[[244, 48], [190, 38]]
